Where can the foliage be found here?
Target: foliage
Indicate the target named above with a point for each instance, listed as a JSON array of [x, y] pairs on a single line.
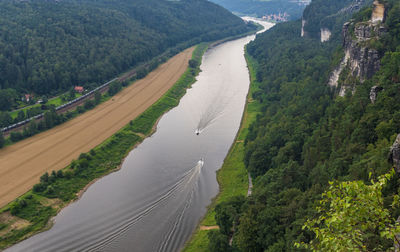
[[2, 140], [47, 47], [227, 214], [305, 136], [29, 208], [261, 8], [328, 14], [352, 216], [218, 242], [66, 184], [8, 98], [144, 122], [232, 177]]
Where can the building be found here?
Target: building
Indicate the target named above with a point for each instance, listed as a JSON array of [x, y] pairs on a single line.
[[79, 89]]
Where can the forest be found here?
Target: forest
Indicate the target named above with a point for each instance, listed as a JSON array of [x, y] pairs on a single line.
[[309, 148], [261, 8], [48, 47]]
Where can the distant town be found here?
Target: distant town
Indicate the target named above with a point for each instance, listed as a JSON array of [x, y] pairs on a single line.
[[280, 17]]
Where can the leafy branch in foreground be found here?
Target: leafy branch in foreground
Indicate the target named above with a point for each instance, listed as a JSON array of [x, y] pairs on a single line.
[[349, 213]]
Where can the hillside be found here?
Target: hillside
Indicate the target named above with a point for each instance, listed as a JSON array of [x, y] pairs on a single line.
[[47, 47], [324, 18], [260, 8], [309, 133]]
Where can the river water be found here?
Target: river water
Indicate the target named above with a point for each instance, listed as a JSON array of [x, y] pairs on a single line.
[[158, 197]]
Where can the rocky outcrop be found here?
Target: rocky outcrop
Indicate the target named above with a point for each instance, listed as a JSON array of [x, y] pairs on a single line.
[[373, 94], [303, 23], [361, 58], [394, 154], [364, 61], [334, 78], [378, 13], [325, 34]]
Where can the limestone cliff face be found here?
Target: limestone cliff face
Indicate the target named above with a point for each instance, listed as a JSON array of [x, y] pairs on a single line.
[[394, 155], [320, 23], [373, 94], [378, 13], [303, 23], [361, 58], [364, 61], [325, 34]]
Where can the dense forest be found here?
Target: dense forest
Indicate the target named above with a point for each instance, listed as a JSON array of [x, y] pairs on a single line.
[[332, 16], [260, 8], [47, 47], [306, 136]]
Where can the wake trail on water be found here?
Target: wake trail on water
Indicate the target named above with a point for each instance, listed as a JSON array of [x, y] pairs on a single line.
[[189, 179], [97, 236], [166, 244], [212, 112]]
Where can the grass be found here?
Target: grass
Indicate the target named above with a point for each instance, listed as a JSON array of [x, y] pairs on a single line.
[[102, 160], [56, 101], [144, 123], [232, 177]]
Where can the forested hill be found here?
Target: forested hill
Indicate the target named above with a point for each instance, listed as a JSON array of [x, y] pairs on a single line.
[[260, 8], [49, 46], [307, 135], [329, 15]]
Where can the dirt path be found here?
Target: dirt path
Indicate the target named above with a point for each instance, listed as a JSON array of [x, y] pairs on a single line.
[[209, 227], [22, 164]]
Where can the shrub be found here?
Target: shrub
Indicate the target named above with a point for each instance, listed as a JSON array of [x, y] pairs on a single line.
[[193, 63], [2, 140], [60, 174], [39, 187], [44, 178]]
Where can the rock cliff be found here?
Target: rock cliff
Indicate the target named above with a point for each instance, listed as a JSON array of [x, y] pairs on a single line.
[[394, 155], [362, 58], [373, 94]]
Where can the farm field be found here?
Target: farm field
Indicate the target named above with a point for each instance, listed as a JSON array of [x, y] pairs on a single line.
[[23, 163]]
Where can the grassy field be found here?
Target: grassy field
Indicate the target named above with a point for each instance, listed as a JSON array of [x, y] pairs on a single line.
[[232, 177], [33, 210], [56, 101]]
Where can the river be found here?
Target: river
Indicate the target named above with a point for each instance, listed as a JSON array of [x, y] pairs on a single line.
[[155, 201]]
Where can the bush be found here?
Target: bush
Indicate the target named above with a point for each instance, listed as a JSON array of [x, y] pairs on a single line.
[[80, 109], [89, 104], [16, 136], [60, 174], [218, 242], [17, 206], [39, 187], [193, 63], [2, 140], [44, 178], [69, 174], [50, 190], [97, 97]]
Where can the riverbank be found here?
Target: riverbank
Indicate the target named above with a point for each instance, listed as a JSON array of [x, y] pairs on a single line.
[[58, 189], [232, 177]]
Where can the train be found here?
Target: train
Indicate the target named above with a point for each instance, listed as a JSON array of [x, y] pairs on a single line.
[[19, 124]]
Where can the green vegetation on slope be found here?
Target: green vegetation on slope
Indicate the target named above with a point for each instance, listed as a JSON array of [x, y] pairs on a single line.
[[306, 136], [63, 186], [261, 8], [329, 14], [232, 177], [47, 47]]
